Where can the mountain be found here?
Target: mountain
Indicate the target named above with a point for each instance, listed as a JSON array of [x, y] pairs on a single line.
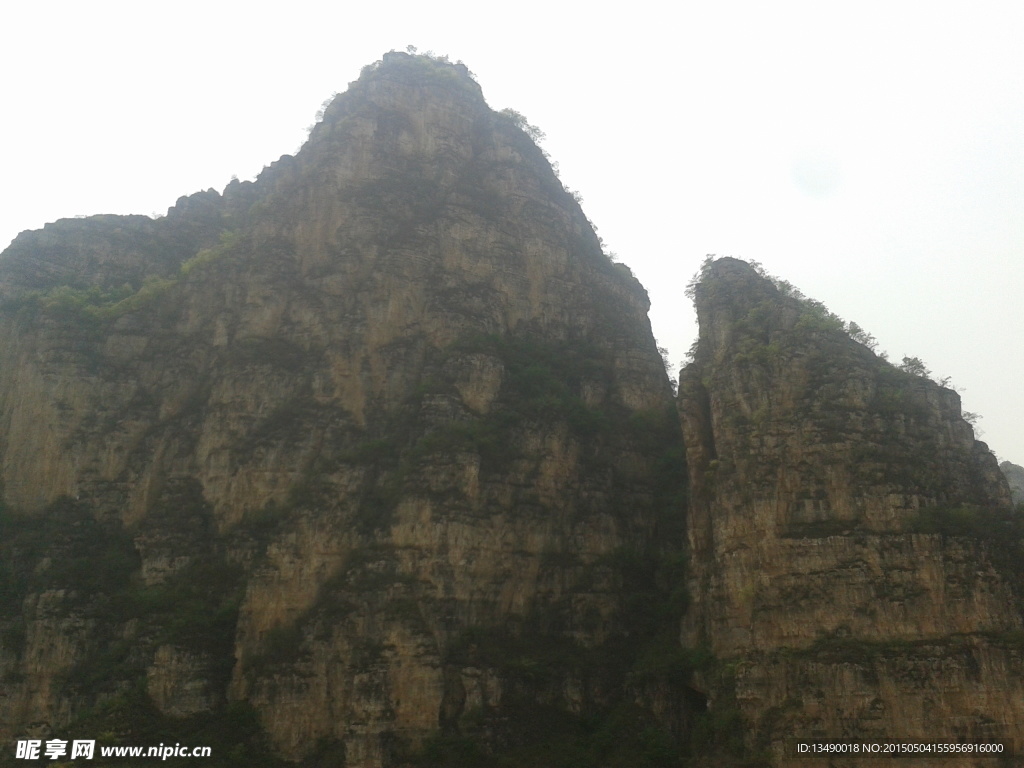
[[374, 462], [374, 445]]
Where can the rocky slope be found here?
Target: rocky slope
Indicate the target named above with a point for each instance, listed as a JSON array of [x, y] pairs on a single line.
[[362, 445], [852, 570]]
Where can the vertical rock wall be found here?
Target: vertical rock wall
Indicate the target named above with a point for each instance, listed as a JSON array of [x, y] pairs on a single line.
[[384, 415], [829, 578]]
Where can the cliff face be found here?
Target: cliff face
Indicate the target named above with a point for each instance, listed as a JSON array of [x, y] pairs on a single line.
[[350, 435], [835, 513]]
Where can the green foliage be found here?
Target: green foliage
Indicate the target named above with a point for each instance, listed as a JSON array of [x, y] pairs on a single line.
[[105, 670], [543, 378], [699, 276], [915, 367], [196, 608], [286, 422], [377, 505], [654, 586], [64, 547], [861, 336], [1013, 639], [91, 300], [664, 659], [262, 523], [152, 287], [97, 303], [519, 121], [889, 399], [229, 241], [13, 637], [839, 649], [541, 385], [93, 567], [369, 572], [100, 304], [816, 317]]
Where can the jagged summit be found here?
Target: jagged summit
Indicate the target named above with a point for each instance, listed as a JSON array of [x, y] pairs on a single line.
[[412, 138]]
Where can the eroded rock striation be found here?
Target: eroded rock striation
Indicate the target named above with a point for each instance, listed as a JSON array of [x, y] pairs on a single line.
[[362, 445], [851, 570]]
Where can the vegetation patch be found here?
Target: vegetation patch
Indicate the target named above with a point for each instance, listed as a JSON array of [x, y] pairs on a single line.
[[89, 560], [102, 304]]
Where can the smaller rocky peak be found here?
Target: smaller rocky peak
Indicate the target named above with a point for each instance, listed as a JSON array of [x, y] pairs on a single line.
[[733, 279], [740, 306], [780, 381]]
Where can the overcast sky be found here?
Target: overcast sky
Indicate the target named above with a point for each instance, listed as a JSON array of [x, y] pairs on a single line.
[[870, 153]]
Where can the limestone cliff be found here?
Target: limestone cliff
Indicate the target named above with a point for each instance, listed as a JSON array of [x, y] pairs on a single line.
[[371, 446], [856, 569]]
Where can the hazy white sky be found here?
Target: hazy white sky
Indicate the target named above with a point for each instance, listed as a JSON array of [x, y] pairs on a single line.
[[872, 153]]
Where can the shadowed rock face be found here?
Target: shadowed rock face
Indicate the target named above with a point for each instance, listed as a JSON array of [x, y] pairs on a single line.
[[817, 472], [353, 432]]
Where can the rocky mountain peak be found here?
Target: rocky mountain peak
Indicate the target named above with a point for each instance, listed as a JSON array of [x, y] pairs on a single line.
[[386, 418], [824, 482]]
